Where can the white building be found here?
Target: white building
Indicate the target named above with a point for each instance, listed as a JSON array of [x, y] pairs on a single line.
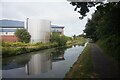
[[39, 30], [57, 29]]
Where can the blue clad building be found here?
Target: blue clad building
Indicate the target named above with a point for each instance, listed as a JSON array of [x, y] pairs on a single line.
[[8, 27]]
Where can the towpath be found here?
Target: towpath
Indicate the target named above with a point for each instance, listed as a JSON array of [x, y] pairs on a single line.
[[103, 65]]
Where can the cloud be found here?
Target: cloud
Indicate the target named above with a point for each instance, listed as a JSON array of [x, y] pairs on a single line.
[[60, 13]]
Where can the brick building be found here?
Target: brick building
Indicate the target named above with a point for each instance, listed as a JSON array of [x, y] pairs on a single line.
[[8, 28]]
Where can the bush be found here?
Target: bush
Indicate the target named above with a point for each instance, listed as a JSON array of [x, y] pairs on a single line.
[[21, 50], [17, 48], [61, 40], [111, 46], [23, 35], [6, 51]]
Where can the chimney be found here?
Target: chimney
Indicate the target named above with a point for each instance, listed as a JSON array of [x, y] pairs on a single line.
[[27, 24]]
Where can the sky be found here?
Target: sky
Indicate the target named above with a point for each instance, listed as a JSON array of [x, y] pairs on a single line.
[[59, 12]]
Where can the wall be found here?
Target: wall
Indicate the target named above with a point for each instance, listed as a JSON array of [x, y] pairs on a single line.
[[9, 38]]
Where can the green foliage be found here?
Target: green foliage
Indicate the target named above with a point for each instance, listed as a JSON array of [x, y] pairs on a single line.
[[105, 27], [74, 37], [17, 44], [9, 49], [104, 22], [55, 37], [111, 46], [62, 41], [23, 35], [83, 67], [59, 39], [68, 38]]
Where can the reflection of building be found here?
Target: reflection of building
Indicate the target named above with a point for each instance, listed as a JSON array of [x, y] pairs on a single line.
[[58, 29], [8, 28], [39, 63]]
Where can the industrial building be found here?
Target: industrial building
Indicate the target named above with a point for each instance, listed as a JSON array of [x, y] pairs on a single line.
[[58, 29], [39, 29], [8, 28]]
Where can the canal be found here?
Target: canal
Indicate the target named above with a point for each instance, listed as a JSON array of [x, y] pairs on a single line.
[[50, 63]]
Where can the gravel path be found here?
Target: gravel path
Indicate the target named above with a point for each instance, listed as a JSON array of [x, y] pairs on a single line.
[[104, 66]]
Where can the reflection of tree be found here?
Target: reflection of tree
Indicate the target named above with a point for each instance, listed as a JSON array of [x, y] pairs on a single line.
[[19, 61], [23, 61], [15, 62], [58, 54], [83, 44]]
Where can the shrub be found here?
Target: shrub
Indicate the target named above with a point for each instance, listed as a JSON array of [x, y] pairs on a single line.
[[23, 35], [111, 46], [21, 50]]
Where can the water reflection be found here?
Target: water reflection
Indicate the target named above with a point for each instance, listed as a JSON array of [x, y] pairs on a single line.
[[75, 46], [39, 63], [49, 63], [58, 54], [15, 62]]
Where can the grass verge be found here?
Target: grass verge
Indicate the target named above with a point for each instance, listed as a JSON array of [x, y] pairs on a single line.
[[111, 46], [83, 67]]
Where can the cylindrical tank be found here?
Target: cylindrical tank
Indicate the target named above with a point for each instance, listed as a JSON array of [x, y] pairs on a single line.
[[39, 30]]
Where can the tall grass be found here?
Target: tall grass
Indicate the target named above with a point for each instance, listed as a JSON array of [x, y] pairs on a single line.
[[111, 46], [10, 50]]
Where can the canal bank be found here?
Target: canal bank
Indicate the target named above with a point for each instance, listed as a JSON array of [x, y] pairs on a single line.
[[94, 63], [49, 63], [83, 67], [18, 48]]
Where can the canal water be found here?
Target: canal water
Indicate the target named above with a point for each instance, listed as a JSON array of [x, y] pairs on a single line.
[[50, 63]]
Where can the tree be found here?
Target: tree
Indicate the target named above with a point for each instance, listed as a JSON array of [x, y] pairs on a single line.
[[55, 37], [63, 40], [104, 26], [74, 36], [82, 6], [59, 39], [23, 35]]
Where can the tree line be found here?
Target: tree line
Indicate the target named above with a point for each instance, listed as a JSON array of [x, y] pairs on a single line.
[[104, 27]]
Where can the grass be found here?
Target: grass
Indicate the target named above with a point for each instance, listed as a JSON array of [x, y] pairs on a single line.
[[10, 50], [83, 67], [17, 48], [111, 46]]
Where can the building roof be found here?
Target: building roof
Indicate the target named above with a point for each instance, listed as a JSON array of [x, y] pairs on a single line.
[[55, 26], [8, 30], [11, 24]]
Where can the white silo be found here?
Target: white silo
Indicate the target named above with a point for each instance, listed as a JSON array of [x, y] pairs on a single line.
[[39, 30]]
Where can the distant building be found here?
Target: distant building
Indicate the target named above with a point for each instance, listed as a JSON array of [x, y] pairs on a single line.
[[39, 30], [58, 29], [8, 28]]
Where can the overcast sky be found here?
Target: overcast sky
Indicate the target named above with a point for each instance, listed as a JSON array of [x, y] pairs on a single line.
[[60, 12]]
